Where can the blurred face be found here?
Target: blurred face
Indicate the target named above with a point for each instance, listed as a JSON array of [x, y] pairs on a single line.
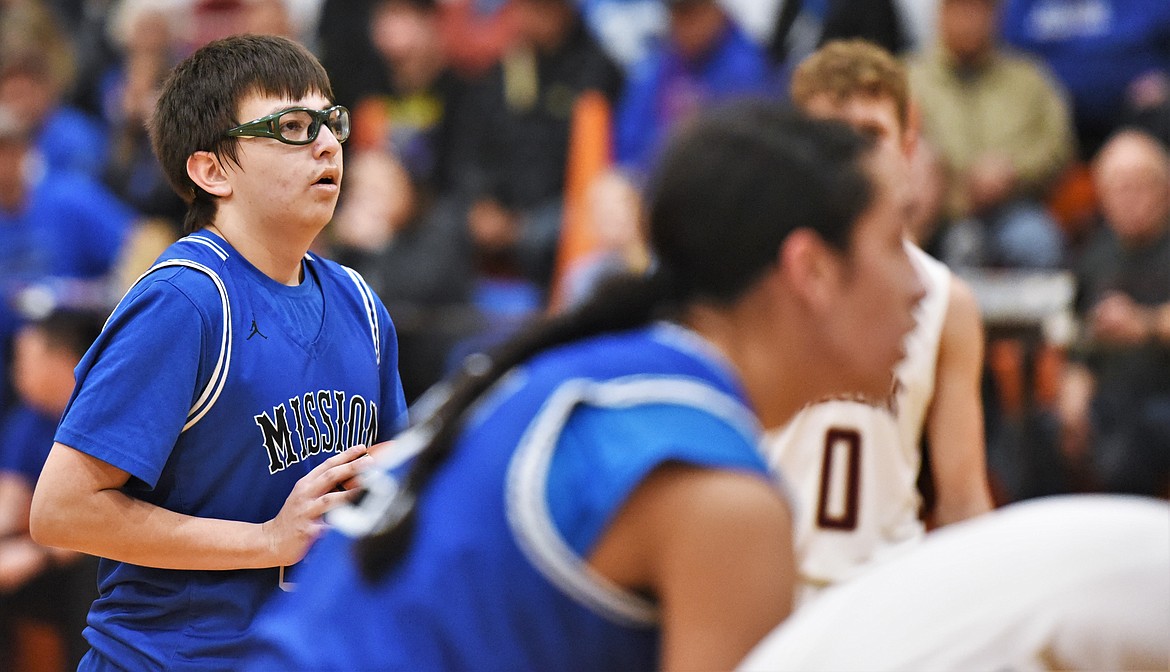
[[967, 27], [281, 185], [42, 374], [1133, 184], [398, 30], [696, 26], [928, 174], [877, 288], [873, 116], [28, 97], [406, 37], [379, 201], [383, 186], [150, 33], [543, 23], [268, 17]]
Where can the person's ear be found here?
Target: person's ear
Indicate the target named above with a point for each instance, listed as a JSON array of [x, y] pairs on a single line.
[[206, 171], [810, 267]]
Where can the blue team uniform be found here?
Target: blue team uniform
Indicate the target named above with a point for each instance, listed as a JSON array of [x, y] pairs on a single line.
[[217, 388], [72, 140], [26, 435], [495, 578], [70, 228]]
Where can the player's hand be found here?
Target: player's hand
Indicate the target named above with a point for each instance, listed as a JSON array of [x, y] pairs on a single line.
[[991, 180], [493, 227], [371, 452], [299, 523], [1119, 320]]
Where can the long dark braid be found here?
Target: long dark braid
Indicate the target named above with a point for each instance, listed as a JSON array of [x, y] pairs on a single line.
[[727, 192]]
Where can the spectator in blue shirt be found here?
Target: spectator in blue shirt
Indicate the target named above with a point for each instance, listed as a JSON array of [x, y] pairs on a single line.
[[66, 137], [59, 229], [1104, 52], [706, 58]]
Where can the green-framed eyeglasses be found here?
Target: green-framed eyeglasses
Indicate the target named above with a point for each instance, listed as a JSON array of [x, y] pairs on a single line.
[[296, 125]]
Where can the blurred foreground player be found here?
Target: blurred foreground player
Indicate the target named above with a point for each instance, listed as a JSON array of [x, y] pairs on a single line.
[[1076, 582], [593, 496], [233, 386]]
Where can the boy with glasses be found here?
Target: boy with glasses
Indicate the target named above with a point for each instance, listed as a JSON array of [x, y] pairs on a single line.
[[235, 385]]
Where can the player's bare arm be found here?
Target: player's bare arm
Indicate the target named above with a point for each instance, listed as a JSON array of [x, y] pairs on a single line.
[[78, 504], [715, 548], [954, 426]]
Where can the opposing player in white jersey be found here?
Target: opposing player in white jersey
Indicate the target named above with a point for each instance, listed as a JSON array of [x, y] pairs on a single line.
[[1077, 582], [854, 463]]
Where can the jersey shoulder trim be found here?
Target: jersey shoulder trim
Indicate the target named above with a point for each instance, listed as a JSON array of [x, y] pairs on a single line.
[[527, 507], [214, 246]]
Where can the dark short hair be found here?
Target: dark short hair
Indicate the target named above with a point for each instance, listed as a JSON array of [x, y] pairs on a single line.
[[70, 329], [730, 189], [200, 101]]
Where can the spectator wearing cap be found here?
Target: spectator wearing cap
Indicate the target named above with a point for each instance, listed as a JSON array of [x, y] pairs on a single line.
[[705, 58]]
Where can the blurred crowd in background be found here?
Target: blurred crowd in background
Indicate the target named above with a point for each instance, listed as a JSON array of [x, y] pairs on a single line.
[[499, 153]]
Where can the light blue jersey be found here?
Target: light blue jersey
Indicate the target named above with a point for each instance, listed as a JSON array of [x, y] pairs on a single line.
[[496, 575], [217, 388]]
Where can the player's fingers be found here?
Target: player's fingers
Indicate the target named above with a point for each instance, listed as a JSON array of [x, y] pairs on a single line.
[[382, 447], [317, 529], [329, 501], [348, 455], [354, 482], [344, 476]]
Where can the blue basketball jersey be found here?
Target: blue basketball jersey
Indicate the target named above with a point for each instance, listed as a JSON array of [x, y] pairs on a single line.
[[496, 577], [217, 388]]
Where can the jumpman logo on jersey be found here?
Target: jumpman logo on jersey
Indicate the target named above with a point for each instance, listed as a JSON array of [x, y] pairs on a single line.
[[255, 331]]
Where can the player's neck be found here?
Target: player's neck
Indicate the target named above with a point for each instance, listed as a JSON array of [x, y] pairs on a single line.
[[769, 364], [277, 256]]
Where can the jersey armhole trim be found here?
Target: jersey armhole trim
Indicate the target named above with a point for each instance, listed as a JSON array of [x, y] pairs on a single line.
[[527, 507], [215, 384], [370, 304]]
